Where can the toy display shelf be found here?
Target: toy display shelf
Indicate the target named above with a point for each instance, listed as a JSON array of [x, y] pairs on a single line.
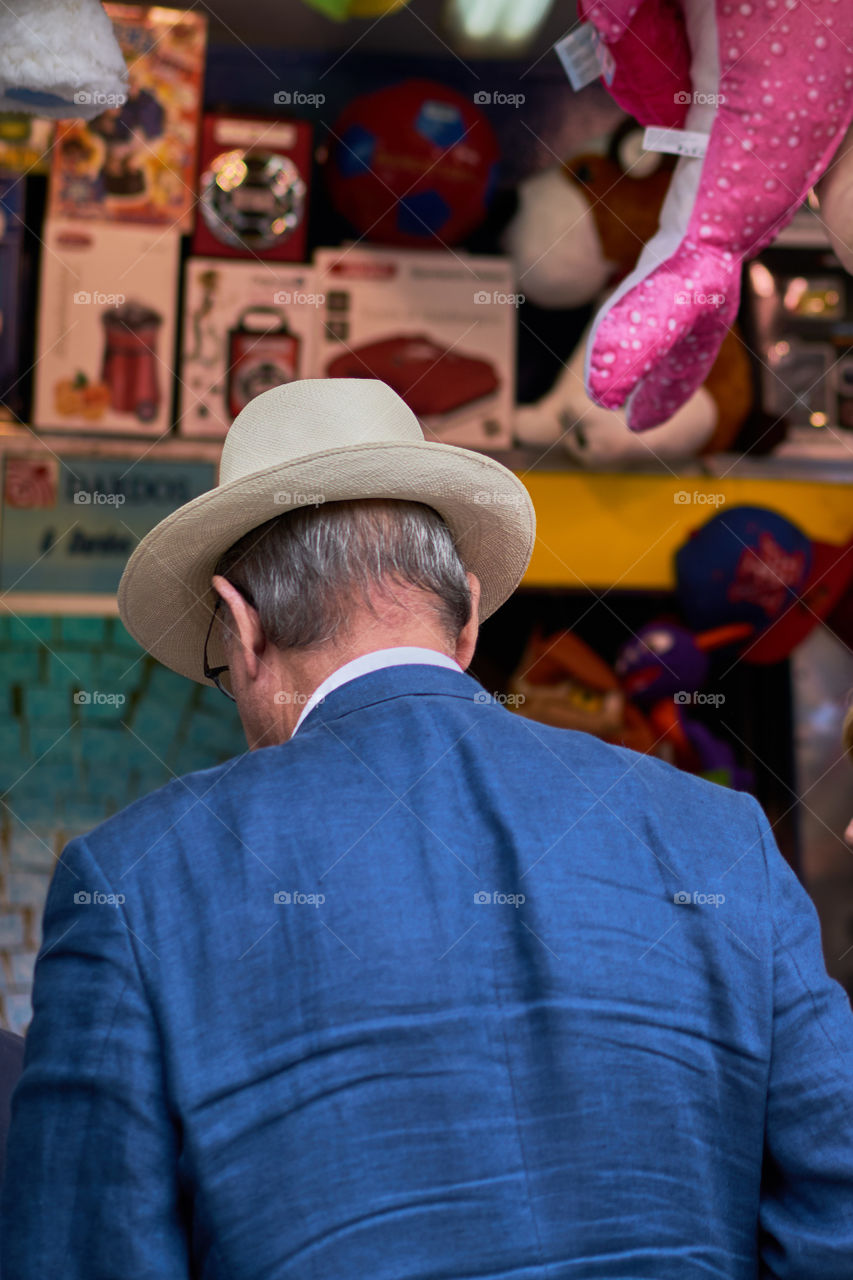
[[595, 530], [608, 531], [23, 440]]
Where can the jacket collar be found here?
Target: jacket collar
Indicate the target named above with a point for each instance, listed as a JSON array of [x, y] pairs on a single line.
[[409, 680], [394, 656]]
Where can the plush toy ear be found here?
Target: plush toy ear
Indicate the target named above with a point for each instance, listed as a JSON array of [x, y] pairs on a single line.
[[627, 152], [656, 338], [59, 58]]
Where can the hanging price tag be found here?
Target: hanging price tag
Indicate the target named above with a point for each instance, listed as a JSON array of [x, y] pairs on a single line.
[[585, 57], [676, 142]]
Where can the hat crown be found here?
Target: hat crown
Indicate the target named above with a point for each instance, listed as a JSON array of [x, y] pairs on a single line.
[[311, 416]]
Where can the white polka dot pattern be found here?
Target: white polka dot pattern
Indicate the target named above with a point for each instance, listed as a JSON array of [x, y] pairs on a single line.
[[786, 75]]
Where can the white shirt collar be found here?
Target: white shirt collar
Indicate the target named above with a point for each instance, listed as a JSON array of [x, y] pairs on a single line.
[[399, 656]]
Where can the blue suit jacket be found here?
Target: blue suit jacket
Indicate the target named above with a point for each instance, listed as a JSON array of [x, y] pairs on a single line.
[[11, 1062], [412, 997]]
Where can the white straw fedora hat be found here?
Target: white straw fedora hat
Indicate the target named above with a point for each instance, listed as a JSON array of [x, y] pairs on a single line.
[[305, 443]]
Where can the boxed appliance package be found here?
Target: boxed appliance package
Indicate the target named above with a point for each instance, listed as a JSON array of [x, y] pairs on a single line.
[[136, 161], [253, 188], [437, 327], [247, 326], [106, 329], [800, 307]]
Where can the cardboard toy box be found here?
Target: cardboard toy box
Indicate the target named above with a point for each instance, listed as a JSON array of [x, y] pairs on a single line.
[[253, 183], [437, 327], [136, 162], [247, 326], [106, 328], [25, 143]]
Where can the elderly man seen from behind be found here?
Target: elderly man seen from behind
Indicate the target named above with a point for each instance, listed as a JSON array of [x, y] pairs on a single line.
[[415, 988]]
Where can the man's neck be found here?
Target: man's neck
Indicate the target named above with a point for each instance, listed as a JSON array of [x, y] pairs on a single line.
[[302, 674]]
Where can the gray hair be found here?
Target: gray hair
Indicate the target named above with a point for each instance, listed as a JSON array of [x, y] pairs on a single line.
[[307, 570]]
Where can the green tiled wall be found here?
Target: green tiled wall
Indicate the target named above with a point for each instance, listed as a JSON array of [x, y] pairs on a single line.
[[89, 724]]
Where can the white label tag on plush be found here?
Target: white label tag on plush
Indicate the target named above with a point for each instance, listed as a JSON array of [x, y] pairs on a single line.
[[605, 60], [584, 57], [675, 142]]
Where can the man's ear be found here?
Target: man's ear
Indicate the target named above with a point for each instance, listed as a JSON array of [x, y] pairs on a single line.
[[241, 624], [467, 640]]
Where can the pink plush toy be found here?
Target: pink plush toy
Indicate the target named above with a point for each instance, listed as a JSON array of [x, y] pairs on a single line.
[[653, 89], [771, 85]]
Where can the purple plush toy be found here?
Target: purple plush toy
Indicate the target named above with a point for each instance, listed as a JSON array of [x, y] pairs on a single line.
[[663, 670]]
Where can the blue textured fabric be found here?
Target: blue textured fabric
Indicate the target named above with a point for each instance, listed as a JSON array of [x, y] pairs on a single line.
[[405, 1081], [11, 1062]]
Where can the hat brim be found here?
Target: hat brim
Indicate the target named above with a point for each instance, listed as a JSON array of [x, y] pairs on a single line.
[[829, 577], [165, 596]]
